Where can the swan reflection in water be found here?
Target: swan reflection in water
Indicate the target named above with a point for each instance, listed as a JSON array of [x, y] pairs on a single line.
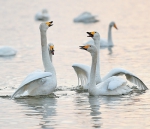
[[110, 50], [43, 109], [94, 102]]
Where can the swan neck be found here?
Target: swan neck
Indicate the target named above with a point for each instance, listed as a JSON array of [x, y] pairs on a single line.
[[45, 55], [98, 76], [110, 36], [50, 55], [93, 72]]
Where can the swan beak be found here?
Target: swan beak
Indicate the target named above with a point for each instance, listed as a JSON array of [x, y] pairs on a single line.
[[115, 26], [52, 49], [90, 34], [49, 23], [84, 47]]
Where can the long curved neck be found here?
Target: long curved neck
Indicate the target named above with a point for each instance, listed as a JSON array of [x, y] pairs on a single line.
[[50, 55], [98, 77], [110, 42], [93, 72], [45, 54]]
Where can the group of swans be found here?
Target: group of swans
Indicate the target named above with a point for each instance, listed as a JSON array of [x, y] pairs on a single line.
[[110, 84], [39, 82], [42, 15], [86, 17], [44, 83]]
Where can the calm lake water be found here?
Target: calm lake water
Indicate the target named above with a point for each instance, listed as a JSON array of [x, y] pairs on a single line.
[[71, 109]]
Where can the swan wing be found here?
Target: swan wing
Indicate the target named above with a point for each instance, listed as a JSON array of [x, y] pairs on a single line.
[[115, 83], [130, 77], [83, 73], [30, 78]]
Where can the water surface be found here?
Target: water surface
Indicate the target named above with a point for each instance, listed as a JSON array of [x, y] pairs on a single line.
[[71, 109]]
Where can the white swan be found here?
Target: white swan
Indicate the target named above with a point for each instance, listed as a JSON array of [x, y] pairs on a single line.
[[42, 15], [83, 71], [38, 82], [111, 86], [86, 17], [7, 51], [107, 42]]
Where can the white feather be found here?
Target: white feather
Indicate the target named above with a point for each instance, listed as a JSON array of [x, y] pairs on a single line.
[[30, 78]]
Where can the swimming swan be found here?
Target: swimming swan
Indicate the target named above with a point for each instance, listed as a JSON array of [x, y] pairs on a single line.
[[38, 82], [111, 86], [43, 15], [7, 51], [108, 42], [83, 71], [86, 17]]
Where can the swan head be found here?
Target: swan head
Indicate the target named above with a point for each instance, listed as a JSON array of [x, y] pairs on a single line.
[[90, 48], [94, 35], [113, 24], [44, 26], [51, 48]]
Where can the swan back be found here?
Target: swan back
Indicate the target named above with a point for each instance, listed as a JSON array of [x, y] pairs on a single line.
[[7, 51], [86, 17], [42, 15]]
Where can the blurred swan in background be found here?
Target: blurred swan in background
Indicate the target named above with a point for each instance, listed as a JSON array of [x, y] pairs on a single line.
[[42, 15], [107, 42], [83, 71], [86, 17], [7, 51], [38, 82]]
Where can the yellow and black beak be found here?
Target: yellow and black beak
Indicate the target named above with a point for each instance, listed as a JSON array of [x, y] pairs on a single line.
[[90, 34], [49, 23], [115, 26], [52, 49], [84, 47]]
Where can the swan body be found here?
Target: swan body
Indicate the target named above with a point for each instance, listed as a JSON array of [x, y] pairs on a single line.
[[114, 72], [42, 15], [38, 82], [86, 17], [106, 42], [111, 86], [7, 51], [32, 83]]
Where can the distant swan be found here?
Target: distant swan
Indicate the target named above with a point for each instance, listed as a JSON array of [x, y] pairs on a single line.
[[107, 42], [86, 17], [43, 15], [83, 71], [38, 82], [7, 51]]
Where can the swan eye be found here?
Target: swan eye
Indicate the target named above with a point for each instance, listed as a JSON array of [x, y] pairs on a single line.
[[95, 32]]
